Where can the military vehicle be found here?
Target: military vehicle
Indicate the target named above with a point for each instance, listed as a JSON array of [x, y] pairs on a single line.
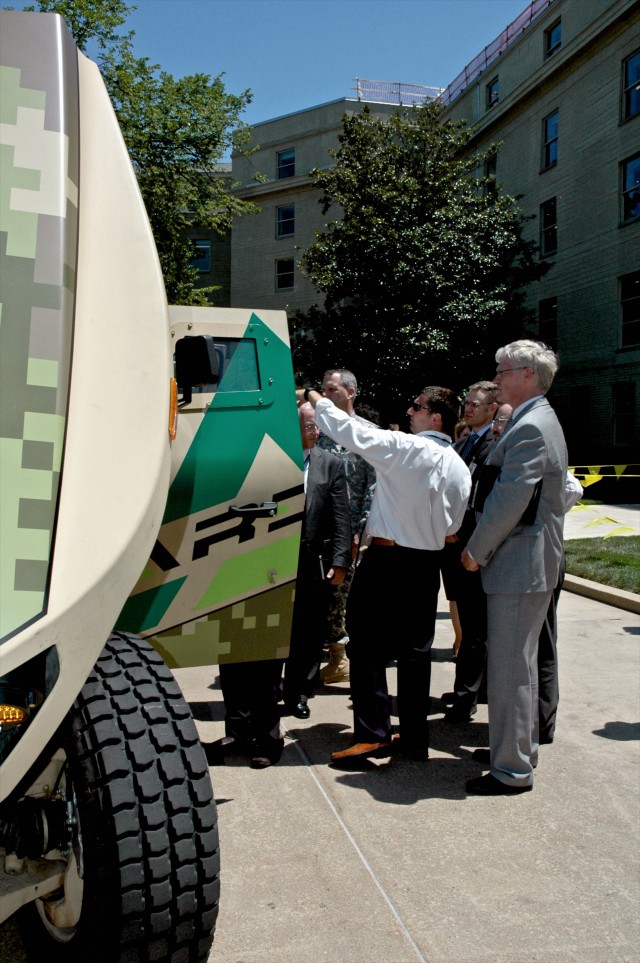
[[151, 501]]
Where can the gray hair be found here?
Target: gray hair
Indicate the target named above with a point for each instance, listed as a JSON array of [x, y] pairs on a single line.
[[532, 354], [347, 378]]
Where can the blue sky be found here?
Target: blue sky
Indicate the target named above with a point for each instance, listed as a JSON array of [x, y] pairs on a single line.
[[295, 54]]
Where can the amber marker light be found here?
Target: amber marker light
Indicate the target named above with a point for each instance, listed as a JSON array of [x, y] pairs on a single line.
[[15, 705], [11, 716], [173, 410]]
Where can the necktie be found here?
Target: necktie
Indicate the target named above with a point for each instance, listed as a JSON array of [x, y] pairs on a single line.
[[470, 444]]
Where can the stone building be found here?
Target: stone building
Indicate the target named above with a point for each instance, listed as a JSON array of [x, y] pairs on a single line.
[[561, 93], [559, 89]]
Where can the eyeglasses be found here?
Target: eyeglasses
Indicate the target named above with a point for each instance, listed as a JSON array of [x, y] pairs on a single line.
[[501, 371], [310, 427], [417, 407], [476, 404], [497, 421]]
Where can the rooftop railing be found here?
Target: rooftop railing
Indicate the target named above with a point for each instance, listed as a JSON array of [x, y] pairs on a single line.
[[493, 50], [389, 92]]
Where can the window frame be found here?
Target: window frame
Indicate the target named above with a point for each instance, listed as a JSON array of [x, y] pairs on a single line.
[[628, 86], [201, 244], [623, 413], [550, 142], [545, 206], [629, 305], [285, 226], [284, 287], [493, 87], [551, 48], [548, 317], [625, 191], [289, 167]]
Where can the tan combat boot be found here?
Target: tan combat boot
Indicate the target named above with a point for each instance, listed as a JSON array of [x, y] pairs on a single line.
[[337, 668]]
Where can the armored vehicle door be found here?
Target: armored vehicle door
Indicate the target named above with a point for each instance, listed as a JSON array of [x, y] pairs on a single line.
[[219, 584]]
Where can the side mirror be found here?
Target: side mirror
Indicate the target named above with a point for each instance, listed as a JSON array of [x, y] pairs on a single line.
[[196, 361]]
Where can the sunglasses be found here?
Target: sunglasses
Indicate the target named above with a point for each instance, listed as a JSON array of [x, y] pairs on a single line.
[[417, 407]]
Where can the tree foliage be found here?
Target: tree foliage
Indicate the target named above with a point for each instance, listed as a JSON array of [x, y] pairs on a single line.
[[423, 269], [176, 130]]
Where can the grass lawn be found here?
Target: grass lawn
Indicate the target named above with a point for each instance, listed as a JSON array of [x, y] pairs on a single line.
[[611, 561]]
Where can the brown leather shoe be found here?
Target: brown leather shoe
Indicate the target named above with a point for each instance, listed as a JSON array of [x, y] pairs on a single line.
[[361, 750]]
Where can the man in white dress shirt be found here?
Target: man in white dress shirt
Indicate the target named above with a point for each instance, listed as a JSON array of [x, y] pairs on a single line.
[[420, 498]]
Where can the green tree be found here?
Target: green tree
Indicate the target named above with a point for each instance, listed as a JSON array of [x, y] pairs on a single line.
[[423, 270], [176, 130]]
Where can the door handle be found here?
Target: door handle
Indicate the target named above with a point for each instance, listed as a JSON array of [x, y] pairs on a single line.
[[266, 510]]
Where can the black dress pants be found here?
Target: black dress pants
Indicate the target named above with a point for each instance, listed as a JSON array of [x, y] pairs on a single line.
[[548, 690], [391, 614], [250, 691], [308, 629], [472, 654]]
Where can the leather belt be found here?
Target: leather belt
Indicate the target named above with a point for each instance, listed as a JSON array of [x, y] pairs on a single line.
[[382, 541]]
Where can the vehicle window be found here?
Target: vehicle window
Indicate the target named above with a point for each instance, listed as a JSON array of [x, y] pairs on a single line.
[[237, 366]]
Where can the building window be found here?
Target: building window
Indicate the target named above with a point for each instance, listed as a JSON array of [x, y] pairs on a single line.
[[624, 409], [631, 188], [284, 274], [490, 174], [285, 220], [550, 141], [201, 259], [553, 39], [579, 429], [286, 163], [493, 92], [631, 87], [548, 322], [630, 305], [548, 227]]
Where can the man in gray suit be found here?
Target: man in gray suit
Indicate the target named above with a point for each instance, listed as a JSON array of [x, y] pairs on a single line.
[[518, 544]]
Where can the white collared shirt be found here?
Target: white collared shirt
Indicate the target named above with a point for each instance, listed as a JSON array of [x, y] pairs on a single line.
[[422, 483]]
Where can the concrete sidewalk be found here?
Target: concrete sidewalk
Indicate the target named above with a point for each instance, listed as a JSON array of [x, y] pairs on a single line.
[[392, 862]]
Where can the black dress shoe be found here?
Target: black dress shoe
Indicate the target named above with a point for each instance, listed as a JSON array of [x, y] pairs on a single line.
[[482, 755], [299, 709], [261, 762], [490, 786], [409, 750], [458, 714], [219, 750]]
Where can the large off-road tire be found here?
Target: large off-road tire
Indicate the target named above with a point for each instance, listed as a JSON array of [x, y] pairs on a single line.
[[146, 838]]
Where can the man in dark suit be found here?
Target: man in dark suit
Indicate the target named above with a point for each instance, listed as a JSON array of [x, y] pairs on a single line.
[[518, 544], [465, 588], [325, 556]]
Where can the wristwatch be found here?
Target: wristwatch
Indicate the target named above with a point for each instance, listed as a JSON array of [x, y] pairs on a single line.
[[306, 392]]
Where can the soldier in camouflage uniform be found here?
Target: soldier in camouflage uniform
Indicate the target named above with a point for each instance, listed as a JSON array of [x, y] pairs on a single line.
[[340, 386]]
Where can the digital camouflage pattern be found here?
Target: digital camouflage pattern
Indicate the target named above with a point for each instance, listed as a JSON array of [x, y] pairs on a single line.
[[38, 242], [219, 586]]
